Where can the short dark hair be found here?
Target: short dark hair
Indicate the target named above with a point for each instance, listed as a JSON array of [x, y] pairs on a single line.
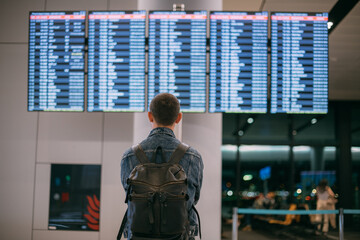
[[165, 108], [322, 185]]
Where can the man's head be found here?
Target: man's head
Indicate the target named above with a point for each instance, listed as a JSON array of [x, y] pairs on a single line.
[[165, 110]]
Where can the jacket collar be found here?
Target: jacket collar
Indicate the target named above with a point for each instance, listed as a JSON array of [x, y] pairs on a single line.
[[162, 130]]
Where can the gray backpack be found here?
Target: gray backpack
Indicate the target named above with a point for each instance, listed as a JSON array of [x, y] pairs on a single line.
[[157, 197]]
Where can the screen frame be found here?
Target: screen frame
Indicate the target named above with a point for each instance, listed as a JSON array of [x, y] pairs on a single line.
[[145, 63], [270, 62], [84, 60], [267, 62], [206, 60]]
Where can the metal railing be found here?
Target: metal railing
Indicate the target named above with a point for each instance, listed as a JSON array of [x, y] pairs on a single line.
[[341, 213]]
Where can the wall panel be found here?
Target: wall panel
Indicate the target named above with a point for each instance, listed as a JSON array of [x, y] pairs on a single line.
[[17, 145], [41, 198], [242, 5], [118, 135], [14, 22], [69, 138], [122, 5], [52, 5]]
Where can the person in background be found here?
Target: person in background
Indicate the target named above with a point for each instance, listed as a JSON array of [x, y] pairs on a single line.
[[259, 201], [324, 195], [269, 201], [258, 204]]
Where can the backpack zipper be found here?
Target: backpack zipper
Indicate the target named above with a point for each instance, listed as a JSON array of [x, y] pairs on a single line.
[[155, 186]]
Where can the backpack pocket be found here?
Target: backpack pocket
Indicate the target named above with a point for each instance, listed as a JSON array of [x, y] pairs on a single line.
[[160, 214], [173, 214], [141, 214]]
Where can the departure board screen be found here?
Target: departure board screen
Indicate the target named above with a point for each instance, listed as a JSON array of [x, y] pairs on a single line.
[[299, 63], [238, 62], [116, 61], [56, 61], [177, 57]]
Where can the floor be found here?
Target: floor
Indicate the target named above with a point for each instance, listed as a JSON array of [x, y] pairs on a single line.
[[291, 232]]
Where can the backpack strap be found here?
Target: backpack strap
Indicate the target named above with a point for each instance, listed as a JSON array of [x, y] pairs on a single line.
[[140, 154], [198, 217], [178, 153], [122, 226]]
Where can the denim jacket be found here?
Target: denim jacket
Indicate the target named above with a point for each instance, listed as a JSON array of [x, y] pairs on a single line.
[[191, 162]]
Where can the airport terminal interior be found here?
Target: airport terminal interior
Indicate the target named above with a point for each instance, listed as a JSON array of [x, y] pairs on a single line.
[[270, 95], [264, 148]]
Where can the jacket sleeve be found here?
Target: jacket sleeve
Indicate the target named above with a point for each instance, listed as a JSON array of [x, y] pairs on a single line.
[[200, 169], [125, 170]]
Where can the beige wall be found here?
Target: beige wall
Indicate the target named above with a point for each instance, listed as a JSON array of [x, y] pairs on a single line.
[[31, 141]]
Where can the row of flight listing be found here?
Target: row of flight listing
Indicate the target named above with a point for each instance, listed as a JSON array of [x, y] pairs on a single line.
[[233, 77]]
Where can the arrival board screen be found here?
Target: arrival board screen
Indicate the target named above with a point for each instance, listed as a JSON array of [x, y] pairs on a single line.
[[56, 61], [238, 62], [299, 63], [116, 61], [177, 57]]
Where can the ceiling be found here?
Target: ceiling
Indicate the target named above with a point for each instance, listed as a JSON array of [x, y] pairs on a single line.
[[273, 129], [344, 40]]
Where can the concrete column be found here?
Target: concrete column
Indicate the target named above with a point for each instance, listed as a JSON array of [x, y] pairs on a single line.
[[202, 131], [142, 127], [343, 155]]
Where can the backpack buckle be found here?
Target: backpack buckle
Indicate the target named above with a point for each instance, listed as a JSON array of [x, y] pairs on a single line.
[[162, 197]]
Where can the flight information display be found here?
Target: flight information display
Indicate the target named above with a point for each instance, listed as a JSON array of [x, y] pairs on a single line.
[[299, 62], [177, 57], [238, 62], [56, 61], [116, 61]]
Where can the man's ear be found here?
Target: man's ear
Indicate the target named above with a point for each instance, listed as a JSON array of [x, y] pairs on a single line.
[[178, 119], [151, 117]]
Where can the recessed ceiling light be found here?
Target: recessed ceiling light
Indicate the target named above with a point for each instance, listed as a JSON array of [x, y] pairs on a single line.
[[250, 120]]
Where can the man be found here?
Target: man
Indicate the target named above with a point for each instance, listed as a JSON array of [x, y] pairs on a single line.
[[164, 115]]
